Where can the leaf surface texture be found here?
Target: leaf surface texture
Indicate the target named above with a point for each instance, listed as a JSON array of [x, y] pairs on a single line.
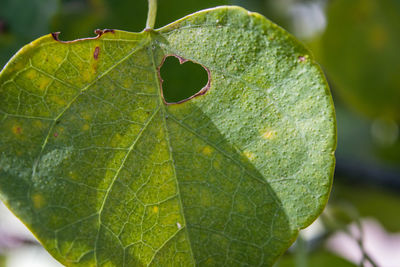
[[105, 173]]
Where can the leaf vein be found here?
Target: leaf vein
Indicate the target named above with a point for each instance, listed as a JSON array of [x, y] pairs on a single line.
[[117, 173]]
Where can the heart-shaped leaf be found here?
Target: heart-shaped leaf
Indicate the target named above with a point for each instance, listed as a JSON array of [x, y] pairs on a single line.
[[105, 173]]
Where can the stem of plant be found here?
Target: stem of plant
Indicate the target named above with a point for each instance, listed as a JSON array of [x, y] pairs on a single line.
[[151, 15]]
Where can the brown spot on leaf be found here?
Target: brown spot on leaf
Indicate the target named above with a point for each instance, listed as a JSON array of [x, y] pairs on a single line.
[[55, 36], [108, 30], [98, 32], [96, 52], [16, 129], [101, 32]]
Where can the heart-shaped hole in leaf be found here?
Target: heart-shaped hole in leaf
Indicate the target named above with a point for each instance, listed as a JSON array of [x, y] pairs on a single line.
[[182, 79]]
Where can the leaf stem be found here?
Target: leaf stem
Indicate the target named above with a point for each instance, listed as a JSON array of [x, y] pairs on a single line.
[[151, 15]]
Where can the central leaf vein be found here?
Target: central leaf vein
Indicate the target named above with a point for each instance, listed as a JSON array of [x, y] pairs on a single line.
[[171, 155]]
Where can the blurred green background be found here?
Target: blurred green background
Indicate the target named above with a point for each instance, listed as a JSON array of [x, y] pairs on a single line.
[[357, 44]]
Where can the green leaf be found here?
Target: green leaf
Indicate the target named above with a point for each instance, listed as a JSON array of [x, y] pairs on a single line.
[[105, 173], [360, 53]]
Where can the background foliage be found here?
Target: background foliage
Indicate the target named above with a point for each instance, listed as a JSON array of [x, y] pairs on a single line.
[[356, 42]]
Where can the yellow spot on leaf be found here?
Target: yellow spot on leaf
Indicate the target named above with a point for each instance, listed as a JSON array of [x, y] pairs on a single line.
[[206, 198], [43, 83], [117, 140], [85, 127], [31, 74], [268, 134], [249, 155], [155, 209], [56, 59], [57, 100], [207, 150], [73, 175], [38, 124], [217, 164], [89, 74], [19, 65], [38, 201], [86, 116], [127, 83]]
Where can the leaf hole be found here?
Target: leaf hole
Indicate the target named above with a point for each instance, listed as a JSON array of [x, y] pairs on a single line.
[[182, 79]]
